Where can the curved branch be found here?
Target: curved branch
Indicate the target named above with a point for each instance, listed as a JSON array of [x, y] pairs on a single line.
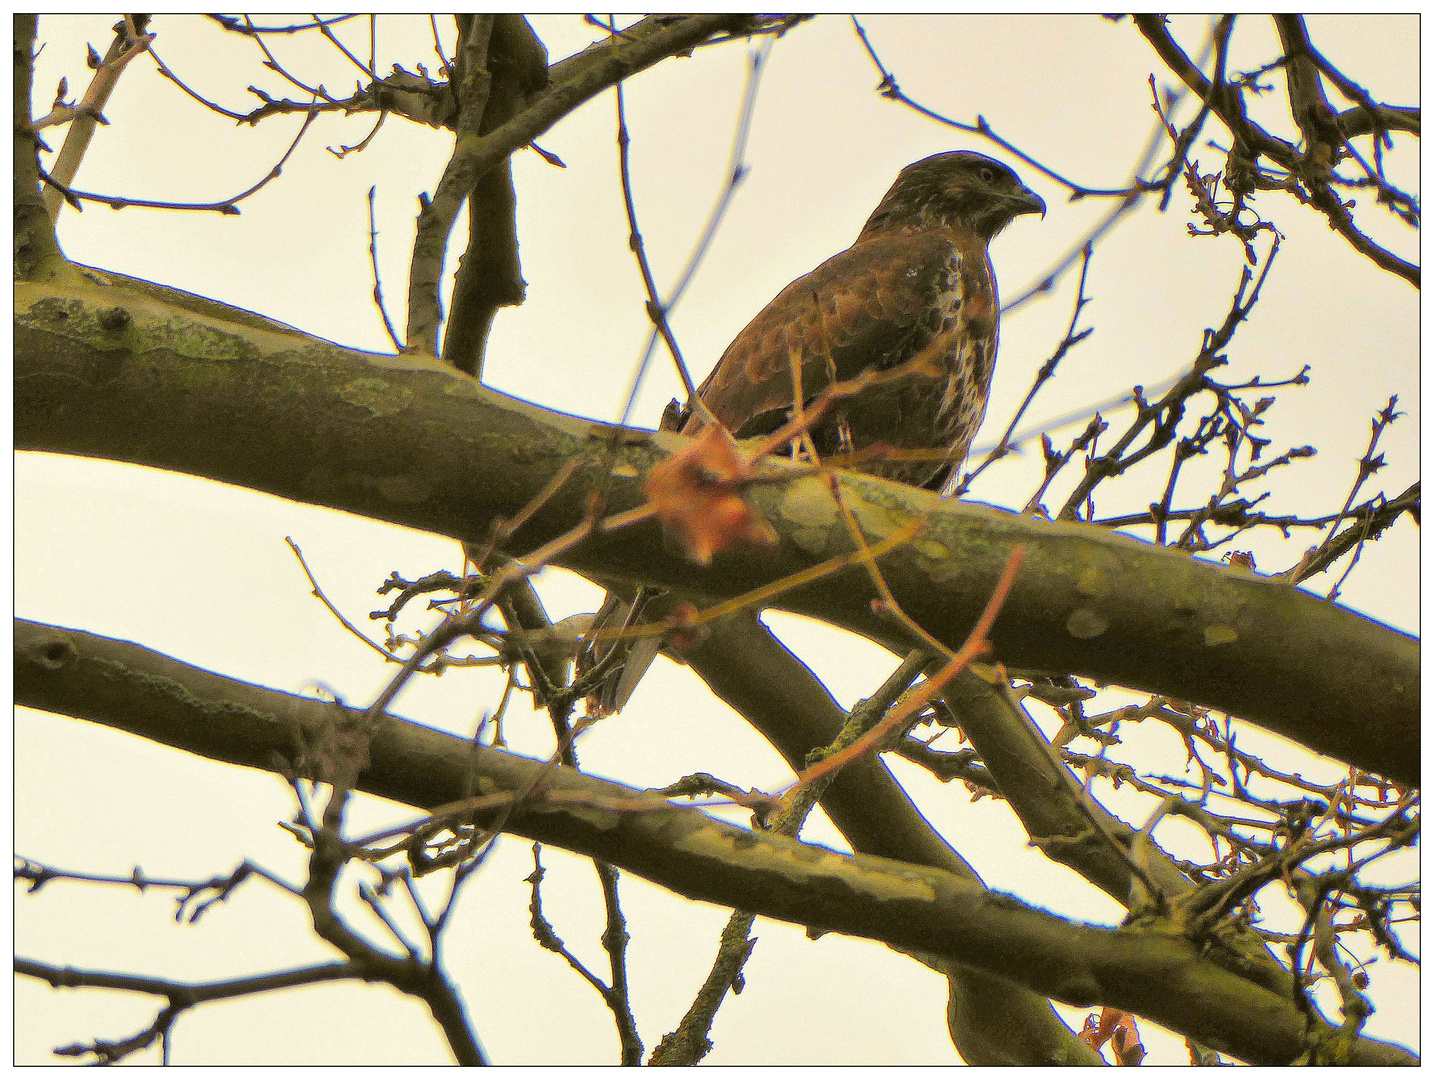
[[116, 372], [222, 206], [1152, 972], [489, 276]]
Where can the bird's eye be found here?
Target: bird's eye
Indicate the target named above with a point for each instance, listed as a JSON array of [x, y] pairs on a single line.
[[987, 174]]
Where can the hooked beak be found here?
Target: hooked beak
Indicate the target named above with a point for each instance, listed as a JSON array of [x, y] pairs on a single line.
[[1028, 202]]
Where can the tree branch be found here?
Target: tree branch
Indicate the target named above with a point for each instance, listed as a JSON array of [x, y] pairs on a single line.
[[122, 50], [488, 275], [191, 386], [1152, 972], [36, 252], [1311, 169], [993, 1021]]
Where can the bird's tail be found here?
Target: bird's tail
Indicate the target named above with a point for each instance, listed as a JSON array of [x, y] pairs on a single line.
[[609, 665], [616, 664]]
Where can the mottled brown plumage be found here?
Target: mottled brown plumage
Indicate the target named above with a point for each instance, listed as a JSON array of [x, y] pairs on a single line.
[[916, 283], [918, 272]]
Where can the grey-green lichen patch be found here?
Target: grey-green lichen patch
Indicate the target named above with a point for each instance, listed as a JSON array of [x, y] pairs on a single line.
[[53, 309], [1092, 581], [1085, 623], [808, 861], [178, 692], [378, 396], [1220, 634], [933, 550], [878, 518], [807, 506], [195, 340]]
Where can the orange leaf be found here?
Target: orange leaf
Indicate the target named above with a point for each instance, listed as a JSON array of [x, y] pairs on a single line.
[[1118, 1028], [697, 497]]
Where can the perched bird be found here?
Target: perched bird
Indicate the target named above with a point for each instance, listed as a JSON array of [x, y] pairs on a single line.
[[917, 283]]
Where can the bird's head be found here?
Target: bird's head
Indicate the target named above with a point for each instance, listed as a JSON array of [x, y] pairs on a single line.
[[960, 189]]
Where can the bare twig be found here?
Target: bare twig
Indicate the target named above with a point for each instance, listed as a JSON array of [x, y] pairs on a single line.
[[656, 313], [223, 206], [337, 614], [888, 88], [130, 40], [248, 29], [1371, 522], [210, 105], [976, 644], [1165, 414], [181, 996], [1305, 175], [318, 93], [373, 260], [367, 69]]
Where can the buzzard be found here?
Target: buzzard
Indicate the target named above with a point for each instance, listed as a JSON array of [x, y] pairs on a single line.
[[919, 274], [916, 284]]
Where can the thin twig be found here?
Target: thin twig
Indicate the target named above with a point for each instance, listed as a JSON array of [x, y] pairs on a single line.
[[172, 77], [656, 313], [373, 260], [316, 92], [367, 69], [248, 29], [736, 172], [975, 645], [224, 206], [130, 40], [337, 614]]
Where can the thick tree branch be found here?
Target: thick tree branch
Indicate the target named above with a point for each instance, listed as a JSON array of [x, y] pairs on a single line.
[[488, 275], [116, 372], [748, 668], [1151, 972]]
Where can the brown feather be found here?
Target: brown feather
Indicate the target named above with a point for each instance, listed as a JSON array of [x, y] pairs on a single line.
[[878, 304]]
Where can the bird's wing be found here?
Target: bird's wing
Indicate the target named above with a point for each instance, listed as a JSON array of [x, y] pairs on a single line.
[[876, 304]]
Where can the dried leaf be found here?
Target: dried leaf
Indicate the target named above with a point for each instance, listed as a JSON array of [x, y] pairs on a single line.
[[1117, 1028], [697, 497]]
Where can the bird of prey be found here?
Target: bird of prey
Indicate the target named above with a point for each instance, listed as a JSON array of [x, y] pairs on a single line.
[[916, 288]]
